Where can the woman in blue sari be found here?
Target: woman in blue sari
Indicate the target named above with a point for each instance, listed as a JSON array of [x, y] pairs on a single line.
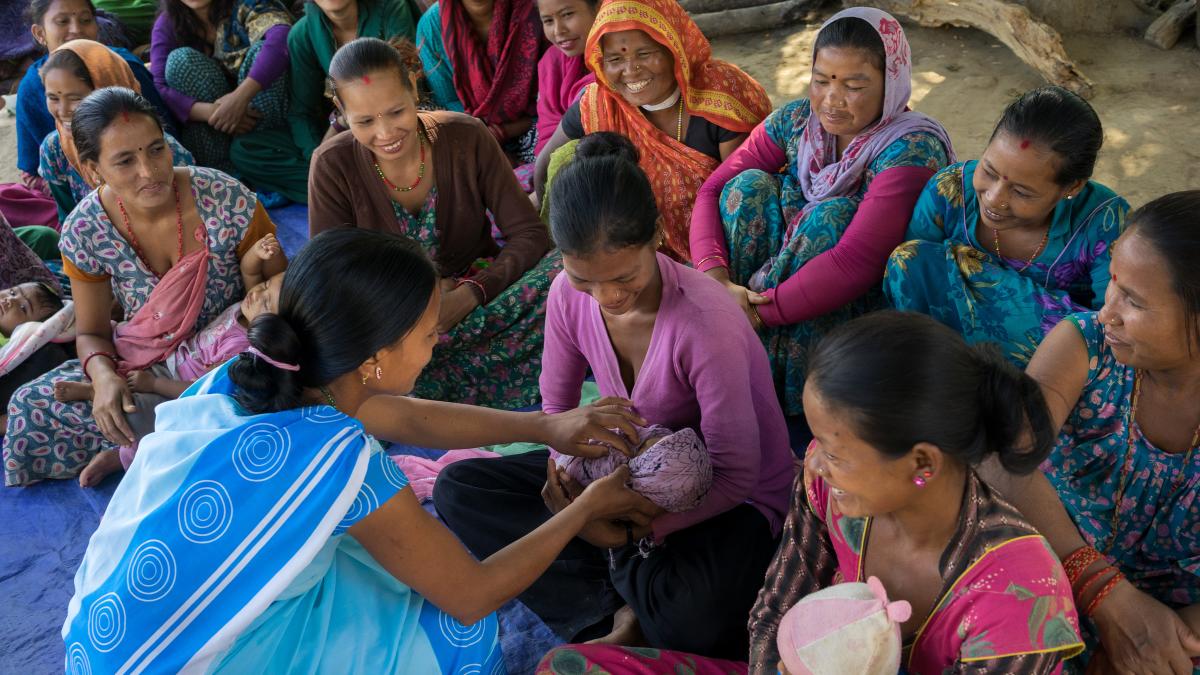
[[1002, 248], [262, 529]]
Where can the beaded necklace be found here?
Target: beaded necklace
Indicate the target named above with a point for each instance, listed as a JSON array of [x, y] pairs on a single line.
[[328, 396], [133, 240], [420, 171]]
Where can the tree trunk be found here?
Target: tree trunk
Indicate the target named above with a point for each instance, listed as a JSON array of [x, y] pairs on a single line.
[[695, 7], [764, 16], [1034, 42], [1168, 28]]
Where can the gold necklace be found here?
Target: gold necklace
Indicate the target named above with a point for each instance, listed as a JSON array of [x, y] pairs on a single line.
[[679, 120], [1126, 465], [328, 396], [1036, 252]]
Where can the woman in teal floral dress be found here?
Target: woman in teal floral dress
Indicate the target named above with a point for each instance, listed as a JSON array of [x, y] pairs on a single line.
[[1002, 248], [798, 222], [1122, 505], [436, 178]]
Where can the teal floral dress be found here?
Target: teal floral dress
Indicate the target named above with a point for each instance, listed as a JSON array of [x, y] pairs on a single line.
[[493, 357], [945, 271], [67, 186], [757, 209]]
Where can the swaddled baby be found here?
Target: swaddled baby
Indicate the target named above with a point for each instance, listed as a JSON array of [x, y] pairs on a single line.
[[671, 469]]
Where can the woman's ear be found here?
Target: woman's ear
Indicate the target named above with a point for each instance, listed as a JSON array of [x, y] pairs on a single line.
[[39, 34], [928, 460], [1074, 189], [92, 168]]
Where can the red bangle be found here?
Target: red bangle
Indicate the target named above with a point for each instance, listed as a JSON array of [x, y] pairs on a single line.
[[476, 284], [111, 356], [1104, 593], [1079, 561]]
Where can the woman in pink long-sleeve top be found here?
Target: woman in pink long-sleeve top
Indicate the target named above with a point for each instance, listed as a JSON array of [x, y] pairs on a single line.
[[799, 221], [663, 336]]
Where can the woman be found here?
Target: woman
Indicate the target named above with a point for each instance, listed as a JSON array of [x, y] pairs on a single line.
[[54, 22], [902, 411], [1122, 385], [629, 315], [166, 242], [73, 71], [802, 249], [1004, 247], [222, 67], [277, 450], [480, 57], [658, 84], [435, 177], [562, 73], [325, 26]]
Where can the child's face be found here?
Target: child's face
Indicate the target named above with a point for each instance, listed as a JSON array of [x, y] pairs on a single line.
[[20, 304], [567, 23], [263, 298]]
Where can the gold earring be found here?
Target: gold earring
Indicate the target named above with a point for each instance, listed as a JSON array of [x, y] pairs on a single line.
[[364, 380]]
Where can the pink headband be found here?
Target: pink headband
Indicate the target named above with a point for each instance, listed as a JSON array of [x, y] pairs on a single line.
[[278, 364]]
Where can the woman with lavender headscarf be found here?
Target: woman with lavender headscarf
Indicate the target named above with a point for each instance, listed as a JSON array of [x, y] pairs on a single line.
[[798, 222]]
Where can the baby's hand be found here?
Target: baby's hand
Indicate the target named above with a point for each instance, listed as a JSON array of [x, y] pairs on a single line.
[[140, 381], [266, 248]]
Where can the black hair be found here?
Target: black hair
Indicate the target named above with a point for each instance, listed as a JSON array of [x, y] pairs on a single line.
[[47, 297], [37, 10], [365, 55], [1171, 224], [65, 59], [349, 293], [903, 378], [189, 31], [602, 198], [853, 33], [1062, 122], [96, 112]]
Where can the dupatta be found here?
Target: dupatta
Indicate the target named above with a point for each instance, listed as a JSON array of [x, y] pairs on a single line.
[[713, 89], [496, 82]]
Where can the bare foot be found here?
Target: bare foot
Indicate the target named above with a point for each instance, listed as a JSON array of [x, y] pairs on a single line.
[[626, 631], [66, 391], [103, 464]]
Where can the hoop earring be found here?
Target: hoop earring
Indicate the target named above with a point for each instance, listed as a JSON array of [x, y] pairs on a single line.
[[364, 380]]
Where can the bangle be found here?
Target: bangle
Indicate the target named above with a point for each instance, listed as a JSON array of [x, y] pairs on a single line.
[[1091, 581], [1079, 561], [718, 258], [758, 322], [1104, 593], [476, 284], [109, 355]]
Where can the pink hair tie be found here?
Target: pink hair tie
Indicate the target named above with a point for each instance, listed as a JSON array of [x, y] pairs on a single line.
[[278, 364]]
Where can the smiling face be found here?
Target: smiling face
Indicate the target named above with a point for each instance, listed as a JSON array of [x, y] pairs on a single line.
[[846, 92], [64, 91], [66, 20], [566, 23], [135, 161], [1015, 183], [616, 279], [400, 364], [863, 481], [1144, 320], [639, 69], [262, 299], [335, 7], [20, 304], [381, 110]]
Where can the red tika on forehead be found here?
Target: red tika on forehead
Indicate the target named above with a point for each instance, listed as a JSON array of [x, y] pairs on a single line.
[[125, 116], [366, 79], [1025, 144]]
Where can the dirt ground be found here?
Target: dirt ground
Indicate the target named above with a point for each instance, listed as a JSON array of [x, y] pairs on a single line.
[[1148, 99]]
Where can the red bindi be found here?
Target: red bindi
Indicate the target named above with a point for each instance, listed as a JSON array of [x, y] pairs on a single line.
[[1025, 144], [125, 116], [1114, 276], [366, 79]]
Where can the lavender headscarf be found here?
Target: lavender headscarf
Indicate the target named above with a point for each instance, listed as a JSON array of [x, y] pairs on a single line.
[[674, 473], [821, 178]]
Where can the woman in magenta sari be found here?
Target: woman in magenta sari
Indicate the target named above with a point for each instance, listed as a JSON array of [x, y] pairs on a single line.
[[166, 243]]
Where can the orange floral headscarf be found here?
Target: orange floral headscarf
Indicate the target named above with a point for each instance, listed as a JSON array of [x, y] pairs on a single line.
[[713, 89], [107, 69]]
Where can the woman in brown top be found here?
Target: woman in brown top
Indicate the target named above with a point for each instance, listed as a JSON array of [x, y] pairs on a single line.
[[436, 177]]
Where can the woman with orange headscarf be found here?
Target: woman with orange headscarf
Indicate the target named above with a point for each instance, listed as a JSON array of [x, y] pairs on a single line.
[[657, 83], [73, 71]]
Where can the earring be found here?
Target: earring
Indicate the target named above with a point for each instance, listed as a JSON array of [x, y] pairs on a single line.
[[364, 380], [378, 373], [919, 481]]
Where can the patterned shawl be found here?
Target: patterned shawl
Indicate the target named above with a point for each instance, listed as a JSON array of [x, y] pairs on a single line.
[[107, 69], [823, 178], [715, 90], [496, 82]]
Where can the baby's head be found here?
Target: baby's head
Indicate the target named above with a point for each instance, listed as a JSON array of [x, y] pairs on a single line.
[[845, 628], [32, 301], [263, 298]]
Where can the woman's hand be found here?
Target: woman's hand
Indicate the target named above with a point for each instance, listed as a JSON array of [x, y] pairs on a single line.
[[456, 305], [587, 431], [110, 401], [744, 297], [1141, 635], [232, 113], [607, 500]]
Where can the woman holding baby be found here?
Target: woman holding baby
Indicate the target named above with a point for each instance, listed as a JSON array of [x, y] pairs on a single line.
[[630, 315]]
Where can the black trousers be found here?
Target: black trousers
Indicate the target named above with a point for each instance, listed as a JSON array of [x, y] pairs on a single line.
[[693, 593]]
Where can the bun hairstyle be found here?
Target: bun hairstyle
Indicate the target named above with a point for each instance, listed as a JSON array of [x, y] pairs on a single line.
[[851, 32], [65, 59], [903, 378], [1061, 121], [1171, 224], [96, 112], [348, 294], [366, 55], [602, 198]]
